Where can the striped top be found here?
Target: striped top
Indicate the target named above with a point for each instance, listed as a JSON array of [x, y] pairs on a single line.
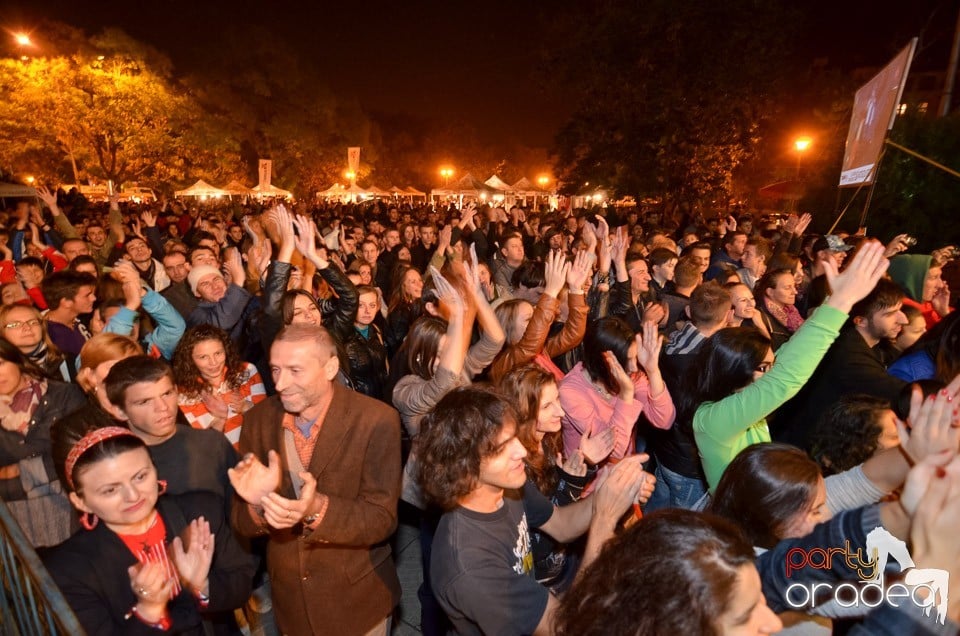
[[238, 402]]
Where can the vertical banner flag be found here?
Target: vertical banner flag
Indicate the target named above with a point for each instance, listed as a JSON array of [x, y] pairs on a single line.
[[266, 167], [353, 159], [874, 111]]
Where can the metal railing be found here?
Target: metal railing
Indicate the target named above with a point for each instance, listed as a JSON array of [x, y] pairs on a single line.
[[30, 602]]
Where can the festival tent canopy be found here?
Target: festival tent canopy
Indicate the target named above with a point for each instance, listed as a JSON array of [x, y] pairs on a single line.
[[13, 190], [498, 183], [413, 192], [201, 189], [236, 188], [379, 192], [525, 186], [466, 186], [271, 191], [792, 190]]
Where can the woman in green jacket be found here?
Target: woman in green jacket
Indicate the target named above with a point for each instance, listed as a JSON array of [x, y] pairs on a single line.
[[739, 384]]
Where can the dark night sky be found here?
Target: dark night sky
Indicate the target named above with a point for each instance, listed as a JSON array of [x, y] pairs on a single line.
[[475, 62]]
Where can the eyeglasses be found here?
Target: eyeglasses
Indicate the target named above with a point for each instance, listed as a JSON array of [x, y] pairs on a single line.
[[33, 322]]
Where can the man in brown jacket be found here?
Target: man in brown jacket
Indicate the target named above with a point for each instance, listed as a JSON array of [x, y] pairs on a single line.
[[321, 476]]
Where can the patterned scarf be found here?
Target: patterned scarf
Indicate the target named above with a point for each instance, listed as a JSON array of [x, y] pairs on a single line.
[[786, 314], [17, 410]]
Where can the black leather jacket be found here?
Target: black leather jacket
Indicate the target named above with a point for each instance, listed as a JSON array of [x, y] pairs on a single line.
[[367, 358]]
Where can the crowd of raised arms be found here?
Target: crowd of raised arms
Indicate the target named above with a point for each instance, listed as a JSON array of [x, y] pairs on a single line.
[[603, 421]]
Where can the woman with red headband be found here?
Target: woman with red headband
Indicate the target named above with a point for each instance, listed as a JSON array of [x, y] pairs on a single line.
[[143, 563]]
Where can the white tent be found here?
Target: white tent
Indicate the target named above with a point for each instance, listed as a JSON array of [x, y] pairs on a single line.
[[410, 191], [335, 190], [271, 191], [378, 192], [468, 187], [201, 189], [235, 188], [498, 183]]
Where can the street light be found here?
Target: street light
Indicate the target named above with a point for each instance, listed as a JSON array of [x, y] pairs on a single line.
[[351, 175], [543, 181], [22, 39], [446, 173], [802, 144]]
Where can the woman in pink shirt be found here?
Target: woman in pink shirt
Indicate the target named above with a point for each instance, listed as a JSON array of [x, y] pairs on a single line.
[[618, 379]]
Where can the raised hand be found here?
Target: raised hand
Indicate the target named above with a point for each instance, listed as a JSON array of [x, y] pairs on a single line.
[[596, 448], [941, 299], [252, 481], [620, 376], [897, 245], [555, 273], [149, 218], [193, 554], [803, 223], [49, 198], [933, 430], [579, 271], [472, 274], [217, 408], [306, 241], [280, 512], [447, 293], [858, 279], [234, 266], [248, 228], [649, 344]]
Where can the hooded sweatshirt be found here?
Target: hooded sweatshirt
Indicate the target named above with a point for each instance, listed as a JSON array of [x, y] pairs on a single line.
[[910, 271]]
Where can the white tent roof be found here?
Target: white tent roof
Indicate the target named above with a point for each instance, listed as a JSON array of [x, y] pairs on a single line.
[[271, 191], [335, 190], [411, 191], [16, 190], [200, 189], [235, 187], [498, 183], [524, 185], [380, 192]]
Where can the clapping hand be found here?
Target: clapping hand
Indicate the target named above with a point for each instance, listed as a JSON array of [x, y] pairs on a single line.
[[620, 376], [579, 272], [152, 587], [193, 554], [252, 481], [596, 448], [555, 273], [306, 241], [447, 293], [649, 344], [934, 430], [280, 512]]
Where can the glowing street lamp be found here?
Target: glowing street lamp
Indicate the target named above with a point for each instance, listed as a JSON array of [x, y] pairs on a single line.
[[351, 175], [22, 39], [30, 180], [543, 181], [446, 173], [801, 144]]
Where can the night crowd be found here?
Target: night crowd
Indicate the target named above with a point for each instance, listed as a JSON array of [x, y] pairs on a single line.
[[603, 421]]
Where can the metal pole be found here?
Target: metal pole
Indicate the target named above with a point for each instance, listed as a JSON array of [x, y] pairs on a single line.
[[873, 186]]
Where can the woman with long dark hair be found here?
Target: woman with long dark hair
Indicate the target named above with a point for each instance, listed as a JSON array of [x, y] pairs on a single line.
[[738, 385], [618, 379]]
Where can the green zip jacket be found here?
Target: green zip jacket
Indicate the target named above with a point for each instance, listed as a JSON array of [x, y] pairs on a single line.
[[723, 429]]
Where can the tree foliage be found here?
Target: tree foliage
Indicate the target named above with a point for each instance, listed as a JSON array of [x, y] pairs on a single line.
[[112, 108], [672, 97]]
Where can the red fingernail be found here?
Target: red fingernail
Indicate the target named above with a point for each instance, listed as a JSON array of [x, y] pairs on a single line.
[[944, 392], [940, 472]]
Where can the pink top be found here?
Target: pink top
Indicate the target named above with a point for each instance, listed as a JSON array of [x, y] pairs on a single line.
[[587, 409]]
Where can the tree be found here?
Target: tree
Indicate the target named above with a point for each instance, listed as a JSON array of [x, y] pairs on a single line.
[[112, 108], [672, 95]]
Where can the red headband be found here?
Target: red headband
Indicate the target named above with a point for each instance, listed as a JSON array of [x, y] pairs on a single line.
[[86, 442]]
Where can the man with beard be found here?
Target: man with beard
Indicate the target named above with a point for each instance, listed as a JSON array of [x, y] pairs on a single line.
[[851, 366]]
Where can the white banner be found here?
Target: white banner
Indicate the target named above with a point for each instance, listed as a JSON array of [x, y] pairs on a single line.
[[353, 159], [266, 167]]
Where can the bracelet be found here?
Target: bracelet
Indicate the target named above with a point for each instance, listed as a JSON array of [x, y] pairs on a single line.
[[164, 623], [202, 599]]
